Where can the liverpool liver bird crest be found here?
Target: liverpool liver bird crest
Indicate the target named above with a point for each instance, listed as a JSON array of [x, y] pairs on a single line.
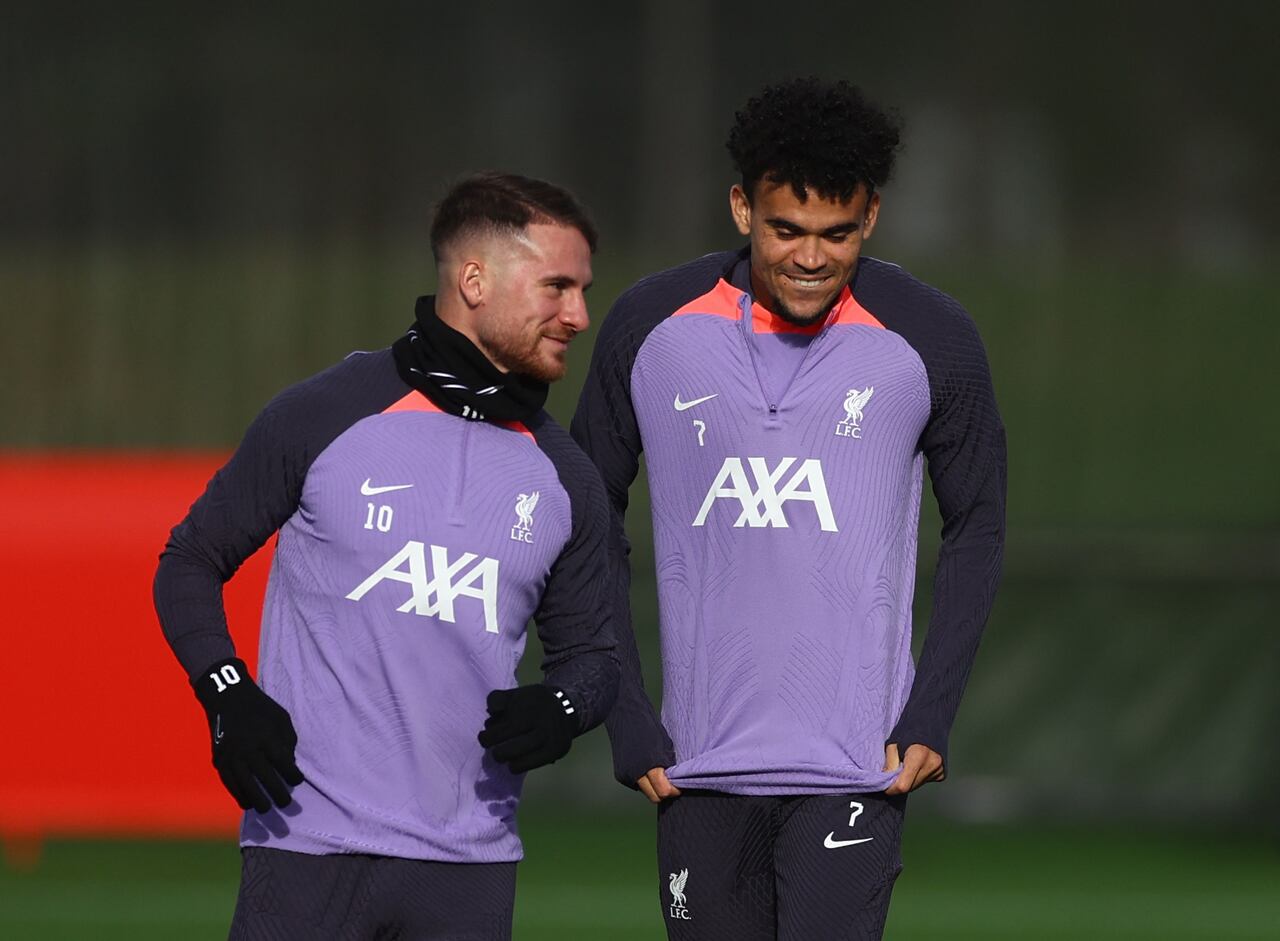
[[524, 509], [855, 403], [678, 879]]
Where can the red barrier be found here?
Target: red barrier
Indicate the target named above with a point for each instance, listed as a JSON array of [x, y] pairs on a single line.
[[101, 733]]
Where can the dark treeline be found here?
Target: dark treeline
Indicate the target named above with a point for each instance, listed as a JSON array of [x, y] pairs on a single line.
[[1107, 127]]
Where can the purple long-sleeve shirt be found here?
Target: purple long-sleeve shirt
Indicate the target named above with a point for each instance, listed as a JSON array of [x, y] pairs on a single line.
[[414, 547], [785, 469]]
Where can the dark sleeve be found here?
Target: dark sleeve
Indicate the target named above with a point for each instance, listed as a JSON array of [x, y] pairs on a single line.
[[964, 444], [252, 496], [605, 426], [573, 617]]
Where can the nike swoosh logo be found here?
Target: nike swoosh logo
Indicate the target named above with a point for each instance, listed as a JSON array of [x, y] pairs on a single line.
[[217, 729], [681, 406], [832, 843], [369, 490]]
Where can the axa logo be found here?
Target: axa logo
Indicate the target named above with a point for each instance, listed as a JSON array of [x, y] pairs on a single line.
[[854, 403], [678, 908], [522, 531], [762, 492], [437, 585]]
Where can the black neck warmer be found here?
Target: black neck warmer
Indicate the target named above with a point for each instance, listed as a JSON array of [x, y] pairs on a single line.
[[448, 369]]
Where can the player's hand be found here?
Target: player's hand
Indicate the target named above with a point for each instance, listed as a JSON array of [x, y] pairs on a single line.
[[655, 786], [921, 765], [529, 726], [252, 734]]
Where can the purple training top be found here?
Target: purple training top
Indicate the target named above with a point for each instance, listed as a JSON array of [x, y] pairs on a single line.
[[414, 547], [785, 470]]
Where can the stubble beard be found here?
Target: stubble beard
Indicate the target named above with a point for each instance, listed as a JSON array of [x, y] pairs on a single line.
[[539, 368], [781, 309], [518, 356]]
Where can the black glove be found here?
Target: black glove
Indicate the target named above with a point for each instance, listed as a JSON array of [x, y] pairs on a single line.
[[529, 726], [253, 737]]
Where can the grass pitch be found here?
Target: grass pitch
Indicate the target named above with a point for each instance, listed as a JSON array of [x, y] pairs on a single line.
[[596, 878]]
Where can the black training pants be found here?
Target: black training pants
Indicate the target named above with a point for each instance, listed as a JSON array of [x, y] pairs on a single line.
[[286, 896], [796, 868]]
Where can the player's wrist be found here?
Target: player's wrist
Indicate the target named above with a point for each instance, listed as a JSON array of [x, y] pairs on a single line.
[[222, 680], [552, 710], [563, 707]]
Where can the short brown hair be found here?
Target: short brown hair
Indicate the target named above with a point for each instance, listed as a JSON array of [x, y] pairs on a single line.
[[506, 203]]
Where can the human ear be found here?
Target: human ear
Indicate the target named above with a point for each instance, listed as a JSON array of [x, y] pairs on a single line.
[[740, 208], [472, 283], [871, 215]]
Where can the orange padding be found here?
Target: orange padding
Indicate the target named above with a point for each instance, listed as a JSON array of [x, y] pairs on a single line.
[[102, 734]]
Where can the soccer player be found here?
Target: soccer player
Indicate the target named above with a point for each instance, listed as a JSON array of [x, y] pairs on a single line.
[[787, 398], [427, 507]]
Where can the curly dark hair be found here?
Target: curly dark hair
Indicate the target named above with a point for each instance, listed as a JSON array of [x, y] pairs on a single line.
[[814, 134], [505, 202]]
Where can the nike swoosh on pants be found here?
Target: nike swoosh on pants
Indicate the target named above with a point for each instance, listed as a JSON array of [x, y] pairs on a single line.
[[832, 843]]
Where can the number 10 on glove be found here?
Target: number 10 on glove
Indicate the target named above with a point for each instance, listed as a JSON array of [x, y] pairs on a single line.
[[252, 735]]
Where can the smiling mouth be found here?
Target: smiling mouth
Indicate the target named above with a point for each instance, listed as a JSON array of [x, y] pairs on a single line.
[[807, 283]]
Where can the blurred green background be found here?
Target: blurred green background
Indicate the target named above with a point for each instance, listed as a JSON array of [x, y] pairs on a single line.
[[200, 207]]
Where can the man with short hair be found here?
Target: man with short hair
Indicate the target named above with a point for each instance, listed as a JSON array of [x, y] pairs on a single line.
[[787, 397], [427, 508]]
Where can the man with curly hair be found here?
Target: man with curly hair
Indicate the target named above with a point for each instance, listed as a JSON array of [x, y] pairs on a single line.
[[788, 397]]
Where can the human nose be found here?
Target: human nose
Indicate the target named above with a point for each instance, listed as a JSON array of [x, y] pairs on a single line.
[[574, 312], [809, 255]]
